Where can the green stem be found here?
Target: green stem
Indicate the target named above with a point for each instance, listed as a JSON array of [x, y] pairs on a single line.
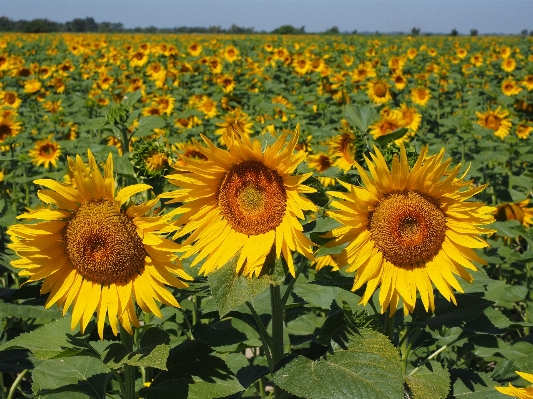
[[434, 354], [265, 338], [16, 384], [129, 371], [291, 285], [2, 393], [277, 329]]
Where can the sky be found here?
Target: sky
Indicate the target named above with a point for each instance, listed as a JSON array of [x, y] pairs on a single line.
[[385, 16]]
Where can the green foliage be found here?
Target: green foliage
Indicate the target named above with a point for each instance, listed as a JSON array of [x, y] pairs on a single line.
[[431, 381]]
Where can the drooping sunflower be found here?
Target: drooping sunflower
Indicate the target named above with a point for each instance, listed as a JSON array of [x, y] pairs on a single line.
[[388, 123], [45, 152], [244, 201], [95, 255], [237, 119], [407, 229], [321, 162], [515, 211], [496, 120], [520, 393]]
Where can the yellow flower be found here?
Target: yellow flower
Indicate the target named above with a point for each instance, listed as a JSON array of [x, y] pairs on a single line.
[[244, 201], [235, 119], [32, 86], [495, 120], [515, 211], [195, 49], [93, 253], [410, 118], [528, 82], [378, 91], [510, 88], [520, 393], [45, 152], [388, 123], [523, 130], [9, 127], [10, 99], [420, 96], [409, 229], [231, 53], [509, 64], [321, 162]]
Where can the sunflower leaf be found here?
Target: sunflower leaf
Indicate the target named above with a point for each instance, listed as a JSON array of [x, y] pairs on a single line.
[[28, 311], [80, 374], [231, 290], [360, 117], [467, 384], [47, 341], [382, 141], [431, 381], [355, 370]]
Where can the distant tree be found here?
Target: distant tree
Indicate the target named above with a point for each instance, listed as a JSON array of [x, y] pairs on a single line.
[[41, 26], [415, 31], [238, 29], [473, 32], [524, 32], [82, 25], [354, 32], [288, 30], [110, 27], [334, 30], [454, 32], [215, 29]]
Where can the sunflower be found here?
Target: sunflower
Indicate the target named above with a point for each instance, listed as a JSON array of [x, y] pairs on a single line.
[[509, 64], [244, 200], [378, 91], [10, 99], [388, 123], [9, 127], [195, 49], [515, 211], [520, 393], [399, 81], [495, 120], [409, 228], [411, 119], [32, 86], [342, 149], [321, 162], [207, 106], [94, 255], [420, 96], [510, 88], [45, 152], [231, 53], [235, 119], [528, 82], [523, 130]]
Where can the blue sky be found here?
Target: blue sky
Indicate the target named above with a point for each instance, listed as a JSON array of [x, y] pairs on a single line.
[[487, 16]]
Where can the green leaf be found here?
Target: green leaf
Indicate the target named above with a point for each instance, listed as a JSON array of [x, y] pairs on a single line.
[[382, 141], [123, 166], [130, 99], [231, 290], [431, 381], [15, 360], [316, 295], [47, 341], [449, 315], [509, 228], [28, 311], [147, 124], [96, 123], [198, 389], [83, 374], [153, 352], [467, 384], [367, 366], [323, 224], [360, 117]]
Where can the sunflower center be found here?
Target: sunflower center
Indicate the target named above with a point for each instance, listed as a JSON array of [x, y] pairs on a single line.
[[408, 227], [103, 244], [252, 198], [380, 90], [492, 122]]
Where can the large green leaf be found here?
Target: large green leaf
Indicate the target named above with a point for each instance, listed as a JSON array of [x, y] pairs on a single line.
[[316, 295], [83, 374], [153, 351], [431, 381], [231, 290], [450, 315], [366, 366], [47, 341], [28, 311], [196, 389], [467, 384], [360, 117]]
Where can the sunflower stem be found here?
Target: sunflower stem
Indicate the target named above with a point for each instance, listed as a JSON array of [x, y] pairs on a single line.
[[129, 371], [265, 338], [16, 384], [277, 329]]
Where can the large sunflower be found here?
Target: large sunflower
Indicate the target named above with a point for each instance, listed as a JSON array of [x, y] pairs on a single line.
[[407, 229], [520, 393], [93, 254], [243, 200]]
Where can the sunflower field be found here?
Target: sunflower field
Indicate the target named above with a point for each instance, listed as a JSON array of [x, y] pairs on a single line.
[[283, 216]]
